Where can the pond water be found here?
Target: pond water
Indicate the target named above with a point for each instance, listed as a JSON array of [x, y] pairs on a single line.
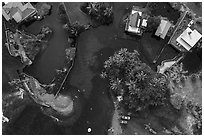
[[43, 68], [193, 61]]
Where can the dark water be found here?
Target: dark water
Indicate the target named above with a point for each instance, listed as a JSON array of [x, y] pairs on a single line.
[[193, 61], [44, 67], [94, 47]]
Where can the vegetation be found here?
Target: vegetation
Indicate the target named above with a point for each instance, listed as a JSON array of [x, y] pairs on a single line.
[[43, 9], [186, 96], [27, 45], [33, 44], [70, 54], [196, 112], [176, 5], [75, 29], [176, 73], [139, 86], [153, 23], [100, 12]]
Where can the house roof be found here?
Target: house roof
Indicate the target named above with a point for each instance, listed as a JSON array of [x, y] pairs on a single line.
[[134, 22], [17, 10], [163, 28], [17, 16], [144, 23], [189, 38], [134, 19]]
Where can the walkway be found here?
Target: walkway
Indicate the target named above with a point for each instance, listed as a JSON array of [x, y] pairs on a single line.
[[177, 26]]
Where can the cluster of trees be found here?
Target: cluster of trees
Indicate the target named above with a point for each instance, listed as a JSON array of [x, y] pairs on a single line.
[[176, 73], [75, 29], [185, 91], [33, 44], [175, 5], [70, 53], [43, 9], [28, 45], [139, 86], [45, 31], [153, 23], [142, 88], [196, 112], [98, 11]]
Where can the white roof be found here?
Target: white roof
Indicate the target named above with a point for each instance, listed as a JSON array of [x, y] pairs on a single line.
[[134, 11], [163, 28], [189, 38], [134, 29], [144, 22], [17, 10]]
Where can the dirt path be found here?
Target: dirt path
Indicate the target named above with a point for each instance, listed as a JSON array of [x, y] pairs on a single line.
[[116, 128]]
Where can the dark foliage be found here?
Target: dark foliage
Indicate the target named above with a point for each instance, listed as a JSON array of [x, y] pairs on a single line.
[[99, 12], [196, 111], [153, 23], [135, 81], [75, 29]]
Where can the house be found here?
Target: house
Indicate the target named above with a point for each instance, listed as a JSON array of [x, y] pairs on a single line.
[[135, 22], [188, 38], [19, 11], [163, 28]]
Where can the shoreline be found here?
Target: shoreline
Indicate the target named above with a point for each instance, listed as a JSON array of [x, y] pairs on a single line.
[[70, 119]]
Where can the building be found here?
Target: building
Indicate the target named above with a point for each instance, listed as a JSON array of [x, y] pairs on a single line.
[[163, 28], [135, 22], [188, 38], [19, 11]]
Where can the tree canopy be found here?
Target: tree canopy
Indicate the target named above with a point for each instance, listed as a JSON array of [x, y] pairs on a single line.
[[98, 11], [153, 23], [138, 84]]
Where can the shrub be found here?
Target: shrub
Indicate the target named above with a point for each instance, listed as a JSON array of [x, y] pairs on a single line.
[[153, 23]]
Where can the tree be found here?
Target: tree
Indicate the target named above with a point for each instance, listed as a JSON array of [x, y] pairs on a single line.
[[153, 23], [75, 29], [186, 95], [100, 12], [43, 9], [139, 85]]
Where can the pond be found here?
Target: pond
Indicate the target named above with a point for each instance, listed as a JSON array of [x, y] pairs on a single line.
[[43, 68]]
